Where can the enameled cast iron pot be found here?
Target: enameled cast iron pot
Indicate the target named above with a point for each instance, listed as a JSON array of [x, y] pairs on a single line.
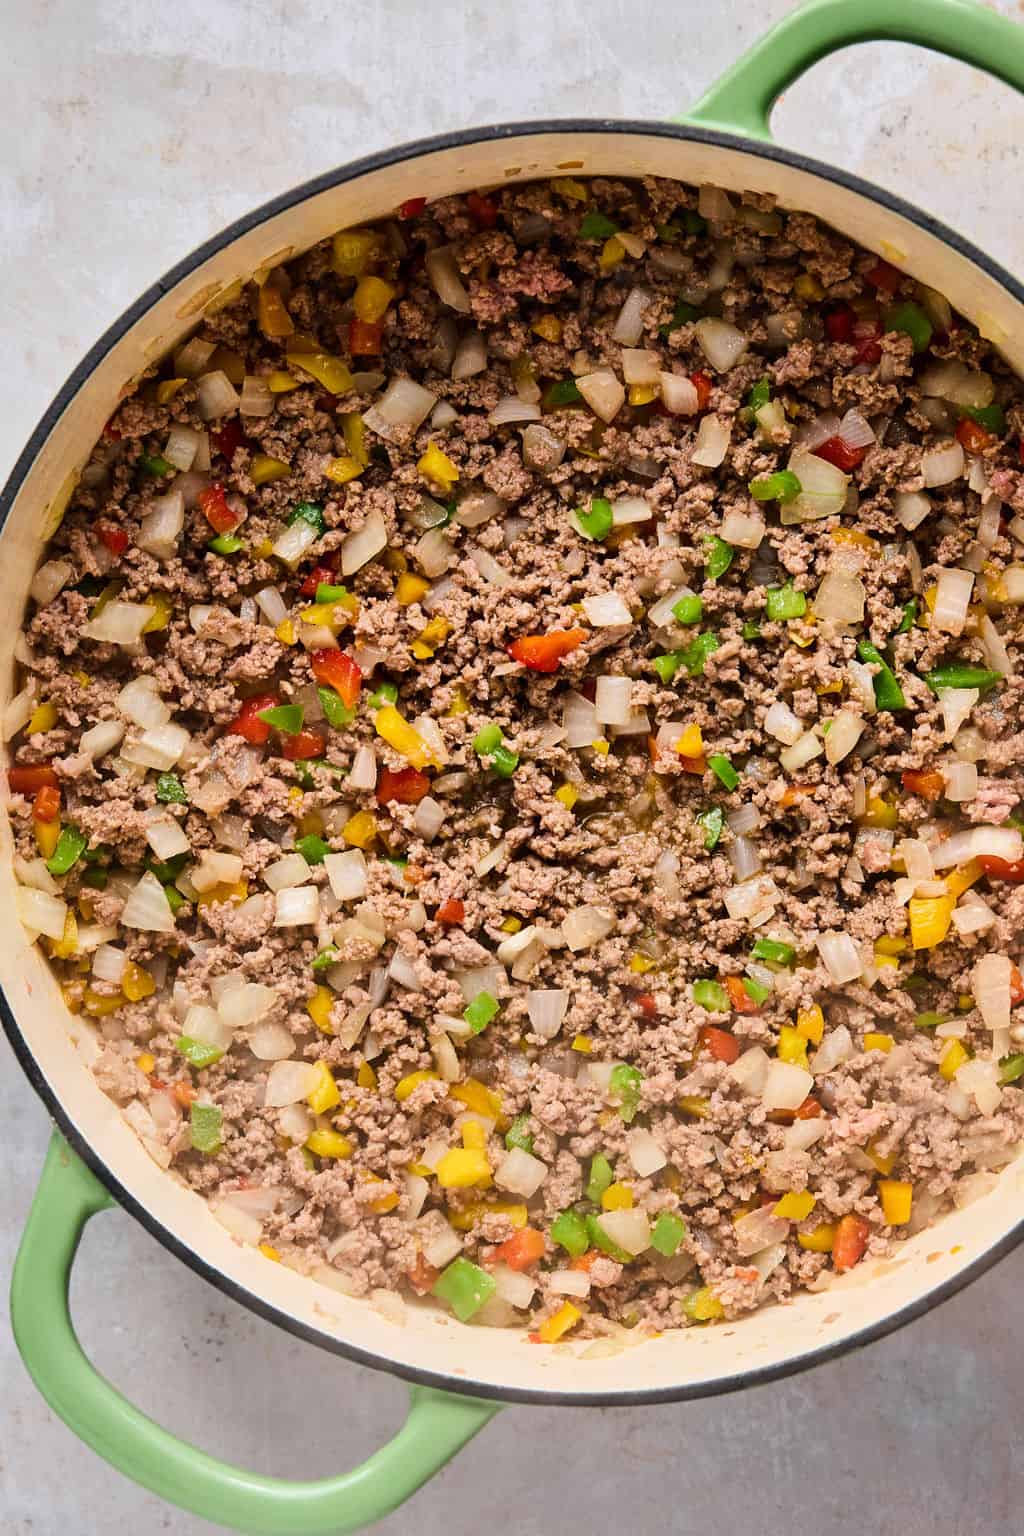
[[459, 1376]]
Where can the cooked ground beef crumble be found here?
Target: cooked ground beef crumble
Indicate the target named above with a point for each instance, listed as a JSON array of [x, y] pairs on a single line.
[[521, 712]]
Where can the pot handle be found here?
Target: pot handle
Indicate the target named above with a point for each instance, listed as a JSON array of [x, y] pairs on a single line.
[[742, 100], [438, 1424]]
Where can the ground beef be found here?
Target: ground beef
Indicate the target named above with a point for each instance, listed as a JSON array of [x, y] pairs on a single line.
[[523, 945]]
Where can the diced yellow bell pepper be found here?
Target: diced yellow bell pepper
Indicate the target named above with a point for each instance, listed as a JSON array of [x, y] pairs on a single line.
[[353, 250], [43, 718], [330, 1144], [612, 253], [887, 945], [82, 678], [930, 917], [408, 1084], [263, 550], [435, 466], [511, 925], [952, 1059], [272, 315], [360, 830], [285, 632], [820, 1240], [691, 742], [436, 632], [319, 1009], [264, 469], [383, 1203], [559, 1323], [642, 394], [366, 1077], [398, 733], [64, 947], [162, 617], [477, 1097], [459, 704], [72, 993], [474, 1136], [270, 1252], [854, 537], [876, 1041], [568, 794], [137, 983], [328, 370], [294, 792], [146, 1063], [235, 892], [98, 1005], [462, 1220], [583, 1044], [342, 470], [462, 1167], [879, 814], [371, 298], [703, 1306], [548, 328], [326, 1094], [601, 747], [280, 382], [410, 588], [617, 1197], [796, 1206], [47, 834], [167, 389], [884, 1163], [963, 877], [810, 1023], [354, 429], [897, 1199], [808, 288], [695, 1104], [334, 615], [574, 190], [792, 1046]]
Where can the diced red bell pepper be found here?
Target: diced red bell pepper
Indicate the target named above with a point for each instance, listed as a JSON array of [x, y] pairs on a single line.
[[213, 504], [407, 786], [810, 1109], [228, 438], [365, 337], [337, 670], [522, 1249], [1010, 870], [836, 452], [972, 436], [322, 575], [739, 997], [482, 211], [47, 804], [411, 207], [719, 1043], [248, 724], [925, 782], [839, 324], [27, 779], [423, 1276], [451, 913], [113, 537], [885, 277], [703, 385], [851, 1239], [868, 351], [303, 745], [1016, 987], [647, 1005], [542, 653]]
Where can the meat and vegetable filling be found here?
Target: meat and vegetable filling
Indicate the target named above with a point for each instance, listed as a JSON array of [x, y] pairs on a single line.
[[517, 757]]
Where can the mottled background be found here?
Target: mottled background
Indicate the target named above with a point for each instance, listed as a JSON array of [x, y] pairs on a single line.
[[132, 131]]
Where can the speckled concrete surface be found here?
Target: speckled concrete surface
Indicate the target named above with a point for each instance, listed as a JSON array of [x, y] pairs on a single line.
[[134, 130]]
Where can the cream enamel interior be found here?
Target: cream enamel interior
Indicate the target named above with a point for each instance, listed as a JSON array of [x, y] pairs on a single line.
[[707, 1358]]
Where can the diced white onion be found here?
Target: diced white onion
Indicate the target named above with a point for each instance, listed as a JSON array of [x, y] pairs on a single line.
[[362, 545], [546, 1010], [994, 646], [245, 1004], [835, 1048], [744, 857], [584, 927], [607, 609], [786, 1085], [402, 406], [840, 597], [543, 450], [511, 409], [911, 508], [722, 344], [363, 774], [109, 964], [119, 623], [744, 529], [678, 394], [287, 873], [181, 447], [940, 466], [629, 324], [428, 818], [751, 897], [297, 907], [630, 1230], [272, 605], [579, 721], [645, 1153], [167, 837], [952, 600], [751, 1069], [434, 552], [803, 751], [861, 685], [161, 527], [640, 365], [271, 1042], [513, 1286], [520, 1173], [782, 723], [19, 711], [147, 907], [49, 580], [840, 956], [956, 705], [661, 613], [802, 1134], [478, 507], [961, 782], [192, 358], [293, 542], [101, 738], [999, 842], [758, 1229], [568, 1282], [712, 441], [288, 1082], [470, 356], [630, 509], [42, 913], [991, 985], [140, 703], [347, 874], [844, 734], [823, 488], [217, 395], [603, 393], [612, 700], [445, 280], [953, 381], [497, 575]]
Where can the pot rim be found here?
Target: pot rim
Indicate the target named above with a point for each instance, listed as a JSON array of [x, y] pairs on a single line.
[[79, 377]]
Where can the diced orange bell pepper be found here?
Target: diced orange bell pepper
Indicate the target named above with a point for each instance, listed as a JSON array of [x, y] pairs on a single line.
[[851, 1240], [542, 653], [927, 783], [336, 670], [451, 913], [739, 997], [521, 1250], [719, 1043]]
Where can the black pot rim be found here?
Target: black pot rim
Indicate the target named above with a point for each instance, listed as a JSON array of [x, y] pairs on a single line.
[[464, 1384]]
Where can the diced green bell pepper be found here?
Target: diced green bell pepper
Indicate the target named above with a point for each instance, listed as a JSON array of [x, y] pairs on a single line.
[[723, 770], [518, 1134], [569, 1231], [888, 693], [710, 995], [601, 1176], [206, 1124], [711, 823], [667, 1233], [625, 1085], [465, 1287], [71, 844], [198, 1053], [784, 602], [479, 1013], [171, 790]]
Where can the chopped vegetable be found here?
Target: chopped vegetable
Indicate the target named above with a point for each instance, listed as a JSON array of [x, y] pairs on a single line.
[[785, 602], [955, 676], [711, 822], [71, 844], [667, 1233], [479, 1013], [888, 693], [542, 653], [723, 770], [569, 1231], [782, 486], [464, 1287], [205, 1127], [718, 556]]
